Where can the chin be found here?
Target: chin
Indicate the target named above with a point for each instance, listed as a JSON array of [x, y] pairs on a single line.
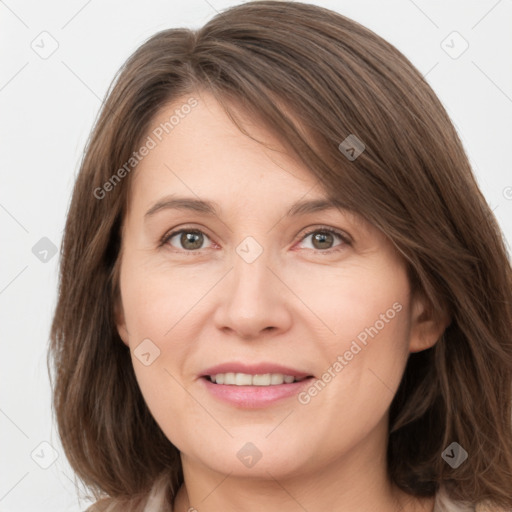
[[252, 454]]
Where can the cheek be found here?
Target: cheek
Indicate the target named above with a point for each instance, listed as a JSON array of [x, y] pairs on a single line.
[[357, 303], [366, 358], [153, 301], [365, 354], [169, 403], [363, 370], [159, 313]]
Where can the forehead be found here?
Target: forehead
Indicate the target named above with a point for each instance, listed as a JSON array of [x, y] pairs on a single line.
[[204, 153], [200, 156]]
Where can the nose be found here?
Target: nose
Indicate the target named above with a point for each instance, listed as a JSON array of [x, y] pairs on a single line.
[[253, 300]]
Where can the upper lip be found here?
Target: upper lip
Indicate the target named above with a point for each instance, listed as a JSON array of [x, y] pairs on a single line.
[[253, 369]]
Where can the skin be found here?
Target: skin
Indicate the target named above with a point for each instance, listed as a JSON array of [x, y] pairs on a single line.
[[293, 305]]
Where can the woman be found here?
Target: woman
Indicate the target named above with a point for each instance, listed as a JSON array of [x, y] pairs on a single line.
[[281, 287]]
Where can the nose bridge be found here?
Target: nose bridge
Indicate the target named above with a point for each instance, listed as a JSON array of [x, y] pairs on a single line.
[[253, 301], [251, 276], [250, 269]]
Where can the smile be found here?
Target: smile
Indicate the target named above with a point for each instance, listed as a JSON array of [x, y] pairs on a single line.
[[246, 379], [254, 391]]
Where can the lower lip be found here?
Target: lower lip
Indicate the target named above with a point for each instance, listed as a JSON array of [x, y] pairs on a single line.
[[254, 396]]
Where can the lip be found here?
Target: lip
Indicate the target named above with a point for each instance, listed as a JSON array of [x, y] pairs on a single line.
[[254, 397], [253, 369]]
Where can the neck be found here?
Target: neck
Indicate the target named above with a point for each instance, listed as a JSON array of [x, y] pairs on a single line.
[[356, 481]]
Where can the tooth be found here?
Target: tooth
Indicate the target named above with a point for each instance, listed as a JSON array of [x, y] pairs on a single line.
[[243, 379], [261, 380], [229, 378], [276, 378]]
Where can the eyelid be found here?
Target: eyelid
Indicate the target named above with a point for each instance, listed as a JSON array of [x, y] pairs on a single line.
[[320, 227], [176, 231], [345, 237]]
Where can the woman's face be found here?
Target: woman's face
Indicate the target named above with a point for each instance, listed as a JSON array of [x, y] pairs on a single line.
[[220, 268]]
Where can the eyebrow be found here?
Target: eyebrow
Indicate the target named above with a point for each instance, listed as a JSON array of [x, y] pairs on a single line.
[[211, 208]]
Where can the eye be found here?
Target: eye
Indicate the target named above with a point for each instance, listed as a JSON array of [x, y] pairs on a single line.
[[323, 239], [187, 239]]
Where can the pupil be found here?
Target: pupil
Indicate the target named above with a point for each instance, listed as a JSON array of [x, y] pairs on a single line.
[[322, 238], [195, 239]]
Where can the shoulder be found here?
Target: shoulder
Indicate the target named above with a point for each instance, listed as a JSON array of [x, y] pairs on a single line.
[[104, 505], [444, 503], [111, 505], [155, 501], [115, 505], [485, 507]]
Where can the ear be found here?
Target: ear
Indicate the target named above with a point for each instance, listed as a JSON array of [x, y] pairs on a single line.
[[121, 322], [426, 326]]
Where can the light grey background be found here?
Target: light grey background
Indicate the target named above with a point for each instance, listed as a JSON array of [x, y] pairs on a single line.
[[48, 104]]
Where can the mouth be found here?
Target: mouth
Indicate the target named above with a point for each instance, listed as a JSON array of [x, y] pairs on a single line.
[[254, 385], [252, 389], [247, 379]]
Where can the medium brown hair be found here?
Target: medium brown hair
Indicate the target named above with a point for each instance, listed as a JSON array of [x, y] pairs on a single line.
[[313, 77]]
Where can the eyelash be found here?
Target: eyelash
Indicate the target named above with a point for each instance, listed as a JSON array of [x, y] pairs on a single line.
[[320, 229]]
